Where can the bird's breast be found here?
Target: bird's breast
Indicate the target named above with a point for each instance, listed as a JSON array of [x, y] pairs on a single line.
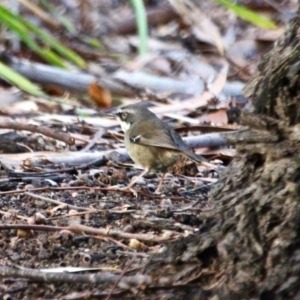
[[151, 157]]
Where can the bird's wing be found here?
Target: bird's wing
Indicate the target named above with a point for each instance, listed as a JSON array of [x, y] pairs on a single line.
[[157, 134], [161, 135]]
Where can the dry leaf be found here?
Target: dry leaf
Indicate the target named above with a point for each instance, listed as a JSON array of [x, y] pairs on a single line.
[[24, 233], [135, 244], [40, 218], [218, 117], [100, 95]]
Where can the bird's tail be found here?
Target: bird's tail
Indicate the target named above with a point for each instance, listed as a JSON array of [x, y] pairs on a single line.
[[194, 156], [198, 158]]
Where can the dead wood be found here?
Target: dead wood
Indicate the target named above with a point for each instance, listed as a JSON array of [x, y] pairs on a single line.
[[121, 83], [127, 281]]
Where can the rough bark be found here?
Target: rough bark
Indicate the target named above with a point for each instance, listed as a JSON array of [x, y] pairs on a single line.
[[248, 247]]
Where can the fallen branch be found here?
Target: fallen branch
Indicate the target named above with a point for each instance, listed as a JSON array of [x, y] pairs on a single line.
[[121, 83], [58, 135], [77, 228], [74, 81], [33, 274]]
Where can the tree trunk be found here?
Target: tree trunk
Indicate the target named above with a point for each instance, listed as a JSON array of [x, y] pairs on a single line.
[[248, 246]]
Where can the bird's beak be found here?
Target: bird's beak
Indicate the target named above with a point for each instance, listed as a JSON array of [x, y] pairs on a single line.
[[110, 112], [111, 115]]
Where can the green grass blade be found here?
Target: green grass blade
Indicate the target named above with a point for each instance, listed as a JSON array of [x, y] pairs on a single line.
[[18, 80], [64, 51], [24, 28], [24, 34], [248, 15], [63, 20], [142, 25]]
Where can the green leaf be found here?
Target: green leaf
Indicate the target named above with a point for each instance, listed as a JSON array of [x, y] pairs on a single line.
[[248, 15], [18, 80]]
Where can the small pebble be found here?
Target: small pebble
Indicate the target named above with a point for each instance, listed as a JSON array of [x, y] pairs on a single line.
[[128, 228], [166, 203], [151, 187]]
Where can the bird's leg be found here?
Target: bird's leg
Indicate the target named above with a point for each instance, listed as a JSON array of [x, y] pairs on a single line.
[[132, 182], [157, 191]]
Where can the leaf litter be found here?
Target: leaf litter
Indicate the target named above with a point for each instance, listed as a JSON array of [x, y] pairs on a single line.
[[63, 160]]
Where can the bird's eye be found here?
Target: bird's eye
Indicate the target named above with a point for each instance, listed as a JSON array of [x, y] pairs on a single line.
[[122, 115]]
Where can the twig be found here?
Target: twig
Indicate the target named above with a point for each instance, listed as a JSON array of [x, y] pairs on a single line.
[[93, 211], [188, 207], [86, 210], [77, 228], [32, 227], [112, 240], [13, 173], [58, 135], [117, 281], [135, 254], [14, 215], [93, 141], [55, 201], [150, 238]]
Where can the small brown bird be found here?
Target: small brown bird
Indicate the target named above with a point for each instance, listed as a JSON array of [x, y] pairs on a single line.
[[150, 142]]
